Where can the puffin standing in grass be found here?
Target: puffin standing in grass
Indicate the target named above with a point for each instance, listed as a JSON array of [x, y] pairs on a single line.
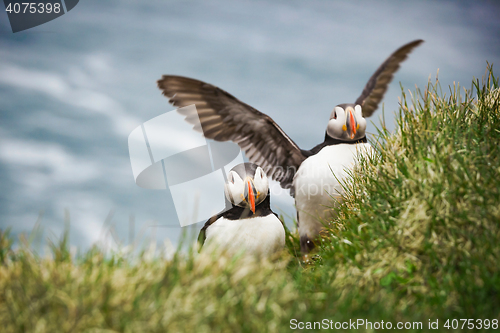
[[247, 224], [313, 176]]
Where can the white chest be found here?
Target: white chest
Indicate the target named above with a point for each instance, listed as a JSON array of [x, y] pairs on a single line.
[[320, 178], [322, 172], [261, 235]]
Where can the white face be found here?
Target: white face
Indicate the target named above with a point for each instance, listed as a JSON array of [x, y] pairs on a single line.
[[248, 192], [348, 124]]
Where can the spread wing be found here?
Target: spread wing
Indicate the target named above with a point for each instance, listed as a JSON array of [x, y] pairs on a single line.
[[377, 85], [223, 118]]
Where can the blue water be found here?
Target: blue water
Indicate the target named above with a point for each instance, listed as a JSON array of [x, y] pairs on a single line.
[[74, 88]]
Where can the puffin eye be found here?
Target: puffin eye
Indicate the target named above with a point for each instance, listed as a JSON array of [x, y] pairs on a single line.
[[231, 178], [334, 115]]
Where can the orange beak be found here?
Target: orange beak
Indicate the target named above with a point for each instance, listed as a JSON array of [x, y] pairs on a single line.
[[251, 196], [352, 122]]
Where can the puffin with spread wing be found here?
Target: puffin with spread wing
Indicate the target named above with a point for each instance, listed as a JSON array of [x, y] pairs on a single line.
[[313, 176]]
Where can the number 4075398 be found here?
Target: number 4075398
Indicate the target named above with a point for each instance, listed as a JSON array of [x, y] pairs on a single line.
[[471, 324], [33, 7]]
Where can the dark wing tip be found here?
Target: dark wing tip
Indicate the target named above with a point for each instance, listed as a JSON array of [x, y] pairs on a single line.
[[202, 236], [414, 43], [377, 85], [162, 84]]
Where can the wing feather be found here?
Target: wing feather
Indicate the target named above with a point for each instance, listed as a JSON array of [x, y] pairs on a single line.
[[377, 85], [223, 117]]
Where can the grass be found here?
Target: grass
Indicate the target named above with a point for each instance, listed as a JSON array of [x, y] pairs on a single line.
[[417, 239]]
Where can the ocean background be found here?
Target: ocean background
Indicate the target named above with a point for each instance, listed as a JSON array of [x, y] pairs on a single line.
[[73, 89]]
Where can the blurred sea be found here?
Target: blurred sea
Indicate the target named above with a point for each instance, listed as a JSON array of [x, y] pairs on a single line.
[[74, 88]]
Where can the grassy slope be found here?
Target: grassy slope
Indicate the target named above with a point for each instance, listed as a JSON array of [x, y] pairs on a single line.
[[417, 238]]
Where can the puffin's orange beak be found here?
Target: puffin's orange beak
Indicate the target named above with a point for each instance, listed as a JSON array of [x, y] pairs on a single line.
[[251, 196], [352, 123]]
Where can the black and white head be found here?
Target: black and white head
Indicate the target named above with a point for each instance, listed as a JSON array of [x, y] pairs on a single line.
[[247, 186], [346, 123]]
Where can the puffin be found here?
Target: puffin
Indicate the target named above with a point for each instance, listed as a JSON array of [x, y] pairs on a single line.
[[247, 224], [313, 176]]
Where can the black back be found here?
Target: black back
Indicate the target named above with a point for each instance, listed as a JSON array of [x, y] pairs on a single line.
[[329, 141]]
